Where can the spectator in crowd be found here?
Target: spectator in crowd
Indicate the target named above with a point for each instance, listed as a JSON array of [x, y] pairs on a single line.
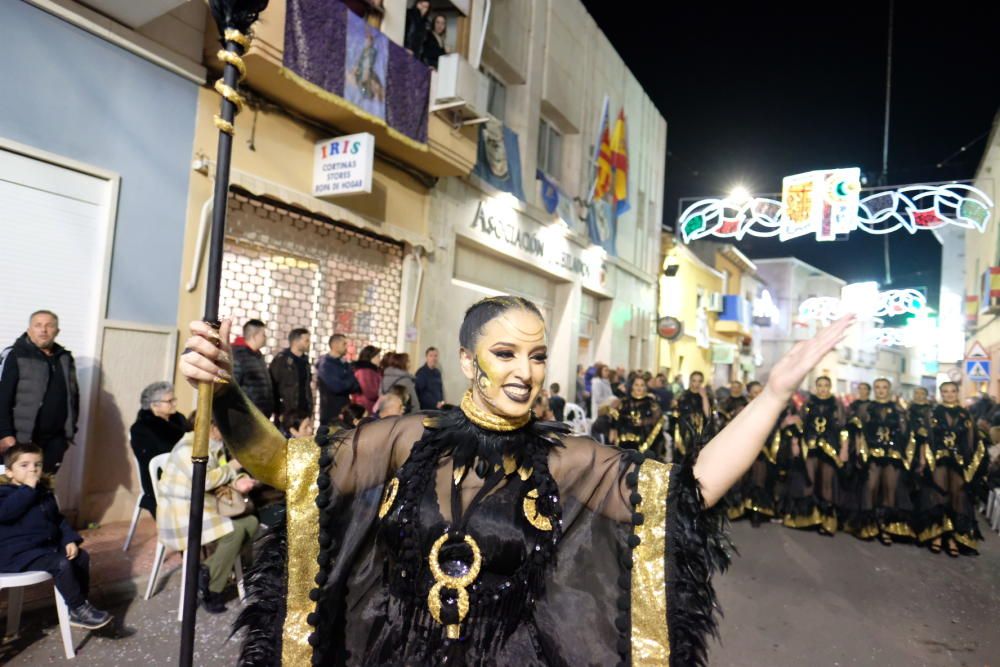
[[600, 388], [582, 396], [435, 45], [39, 396], [336, 380], [156, 430], [249, 368], [429, 384], [617, 381], [352, 415], [396, 373], [416, 28], [677, 386], [35, 536], [557, 404], [604, 423], [369, 377], [588, 377], [297, 423], [291, 373], [541, 410], [231, 534], [658, 387], [392, 404]]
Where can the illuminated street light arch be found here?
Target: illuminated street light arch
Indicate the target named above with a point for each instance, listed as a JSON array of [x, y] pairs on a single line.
[[829, 203]]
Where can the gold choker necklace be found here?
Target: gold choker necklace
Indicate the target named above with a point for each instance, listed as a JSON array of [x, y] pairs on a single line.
[[488, 420]]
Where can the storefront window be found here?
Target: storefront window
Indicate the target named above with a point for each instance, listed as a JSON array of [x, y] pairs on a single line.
[[293, 271]]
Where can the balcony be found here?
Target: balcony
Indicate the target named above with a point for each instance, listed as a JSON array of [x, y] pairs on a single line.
[[736, 316], [450, 148]]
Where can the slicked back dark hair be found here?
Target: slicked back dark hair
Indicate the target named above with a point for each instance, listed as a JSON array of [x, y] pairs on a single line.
[[486, 310]]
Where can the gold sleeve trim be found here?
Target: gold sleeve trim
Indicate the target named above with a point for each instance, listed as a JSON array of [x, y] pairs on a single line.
[[977, 459], [650, 634], [303, 548], [652, 436]]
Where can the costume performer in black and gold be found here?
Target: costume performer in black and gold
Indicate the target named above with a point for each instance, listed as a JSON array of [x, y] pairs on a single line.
[[731, 406], [638, 422], [760, 484], [951, 455], [861, 403], [886, 449], [814, 484], [918, 414], [479, 536], [738, 498], [692, 419]]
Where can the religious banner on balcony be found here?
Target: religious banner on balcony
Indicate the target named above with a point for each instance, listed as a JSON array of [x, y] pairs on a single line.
[[367, 57], [339, 57], [499, 158]]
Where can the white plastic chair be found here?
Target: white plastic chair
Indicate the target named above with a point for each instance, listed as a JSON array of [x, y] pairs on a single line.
[[993, 509], [576, 417], [138, 499], [156, 466], [16, 583]]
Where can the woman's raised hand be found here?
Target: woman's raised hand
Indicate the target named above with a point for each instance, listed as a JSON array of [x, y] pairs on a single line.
[[791, 369]]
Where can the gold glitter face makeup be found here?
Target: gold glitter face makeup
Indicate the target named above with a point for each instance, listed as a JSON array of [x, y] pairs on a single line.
[[508, 364]]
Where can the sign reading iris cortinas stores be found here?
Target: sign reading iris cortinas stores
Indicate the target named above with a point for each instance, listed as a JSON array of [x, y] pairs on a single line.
[[343, 165]]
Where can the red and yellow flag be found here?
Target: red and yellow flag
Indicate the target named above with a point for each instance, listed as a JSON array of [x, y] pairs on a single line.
[[619, 164], [602, 179]]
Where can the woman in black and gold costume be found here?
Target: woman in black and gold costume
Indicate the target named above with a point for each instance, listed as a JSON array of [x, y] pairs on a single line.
[[638, 422], [692, 419], [480, 536], [951, 456], [919, 412], [814, 485], [886, 449], [758, 488]]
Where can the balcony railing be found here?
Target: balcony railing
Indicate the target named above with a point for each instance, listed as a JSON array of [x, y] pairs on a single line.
[[344, 73]]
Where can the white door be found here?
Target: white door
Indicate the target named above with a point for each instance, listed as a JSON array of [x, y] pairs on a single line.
[[54, 226]]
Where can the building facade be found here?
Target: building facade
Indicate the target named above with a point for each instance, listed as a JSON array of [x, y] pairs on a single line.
[[982, 275], [97, 120], [549, 69], [712, 288]]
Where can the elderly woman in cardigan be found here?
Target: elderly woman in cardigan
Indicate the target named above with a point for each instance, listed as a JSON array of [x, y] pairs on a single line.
[[230, 534]]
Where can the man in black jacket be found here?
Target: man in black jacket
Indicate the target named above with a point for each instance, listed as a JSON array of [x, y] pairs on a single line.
[[430, 386], [39, 395], [249, 368], [291, 373], [336, 380]]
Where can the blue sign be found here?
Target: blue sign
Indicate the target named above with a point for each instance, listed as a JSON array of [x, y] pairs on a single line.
[[977, 370]]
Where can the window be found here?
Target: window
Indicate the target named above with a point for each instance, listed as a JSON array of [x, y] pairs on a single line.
[[549, 149], [496, 103]]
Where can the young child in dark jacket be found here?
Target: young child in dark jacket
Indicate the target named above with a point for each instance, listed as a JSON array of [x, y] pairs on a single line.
[[35, 536]]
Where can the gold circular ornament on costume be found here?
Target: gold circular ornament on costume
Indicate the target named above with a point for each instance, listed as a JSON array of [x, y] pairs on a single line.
[[434, 604], [433, 560], [389, 497], [458, 583], [531, 513], [488, 420]]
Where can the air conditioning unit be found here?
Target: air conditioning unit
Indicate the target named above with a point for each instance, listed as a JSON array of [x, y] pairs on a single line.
[[715, 302], [460, 91]]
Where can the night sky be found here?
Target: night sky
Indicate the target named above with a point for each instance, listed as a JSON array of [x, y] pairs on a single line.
[[756, 91]]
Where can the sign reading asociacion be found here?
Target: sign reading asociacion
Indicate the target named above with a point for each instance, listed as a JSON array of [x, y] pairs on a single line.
[[343, 165]]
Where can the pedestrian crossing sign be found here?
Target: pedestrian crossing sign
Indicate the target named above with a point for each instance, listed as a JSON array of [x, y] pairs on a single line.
[[977, 370]]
